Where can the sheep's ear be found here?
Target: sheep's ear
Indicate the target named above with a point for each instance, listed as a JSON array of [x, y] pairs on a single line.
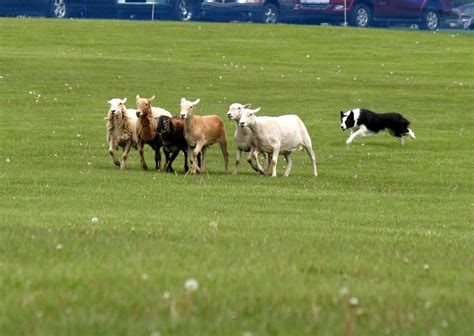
[[196, 102], [182, 100], [124, 100], [247, 106], [256, 110], [137, 97], [151, 99]]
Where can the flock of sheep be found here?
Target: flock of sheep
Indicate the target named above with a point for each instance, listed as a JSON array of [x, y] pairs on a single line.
[[193, 134]]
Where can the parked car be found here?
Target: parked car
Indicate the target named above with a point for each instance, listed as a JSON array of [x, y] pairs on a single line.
[[359, 13], [51, 8], [461, 17], [183, 10]]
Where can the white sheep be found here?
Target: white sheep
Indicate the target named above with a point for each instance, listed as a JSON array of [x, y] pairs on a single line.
[[121, 130], [278, 135], [243, 138]]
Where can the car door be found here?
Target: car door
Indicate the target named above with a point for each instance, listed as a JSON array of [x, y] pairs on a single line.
[[36, 6], [101, 8], [8, 7], [396, 9]]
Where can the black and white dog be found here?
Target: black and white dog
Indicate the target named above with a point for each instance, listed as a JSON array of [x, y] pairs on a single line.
[[364, 122]]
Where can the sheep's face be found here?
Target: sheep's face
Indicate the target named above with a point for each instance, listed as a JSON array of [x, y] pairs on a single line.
[[144, 106], [187, 107], [117, 107], [247, 117], [164, 125], [235, 111]]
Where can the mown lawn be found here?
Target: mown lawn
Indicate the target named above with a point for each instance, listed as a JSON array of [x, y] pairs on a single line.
[[379, 243]]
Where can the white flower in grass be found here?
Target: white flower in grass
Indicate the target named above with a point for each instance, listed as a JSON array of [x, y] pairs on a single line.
[[213, 225], [155, 333], [191, 285], [353, 301], [145, 276], [166, 295], [426, 267], [95, 220], [7, 160], [343, 291], [59, 247]]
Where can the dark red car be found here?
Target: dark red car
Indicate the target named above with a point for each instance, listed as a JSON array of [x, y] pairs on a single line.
[[360, 13]]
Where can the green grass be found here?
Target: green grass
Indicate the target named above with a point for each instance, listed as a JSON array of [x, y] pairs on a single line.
[[388, 225]]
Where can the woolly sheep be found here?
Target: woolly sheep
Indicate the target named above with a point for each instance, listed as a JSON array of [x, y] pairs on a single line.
[[121, 130], [278, 135]]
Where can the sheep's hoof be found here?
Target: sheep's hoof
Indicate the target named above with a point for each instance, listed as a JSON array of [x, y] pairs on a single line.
[[144, 167], [117, 163]]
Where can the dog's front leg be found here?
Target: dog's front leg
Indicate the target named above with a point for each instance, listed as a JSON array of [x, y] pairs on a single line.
[[354, 135]]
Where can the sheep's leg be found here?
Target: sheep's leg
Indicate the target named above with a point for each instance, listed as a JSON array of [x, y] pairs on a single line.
[[126, 150], [256, 166], [202, 167], [289, 164], [167, 158], [157, 157], [238, 153], [186, 166], [169, 168], [195, 153], [276, 152], [312, 156], [142, 157], [268, 164], [225, 153], [112, 154]]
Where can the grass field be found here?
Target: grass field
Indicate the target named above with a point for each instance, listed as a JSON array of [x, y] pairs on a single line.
[[379, 243]]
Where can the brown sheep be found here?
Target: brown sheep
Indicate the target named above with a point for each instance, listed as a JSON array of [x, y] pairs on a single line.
[[171, 131], [201, 132], [146, 129]]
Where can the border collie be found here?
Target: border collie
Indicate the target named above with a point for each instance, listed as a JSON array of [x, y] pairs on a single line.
[[364, 122]]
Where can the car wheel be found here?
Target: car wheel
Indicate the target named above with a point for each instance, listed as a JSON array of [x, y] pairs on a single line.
[[270, 14], [59, 9], [184, 10], [361, 16], [430, 19]]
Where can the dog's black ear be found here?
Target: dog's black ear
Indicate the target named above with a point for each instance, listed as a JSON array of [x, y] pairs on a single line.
[[342, 114]]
